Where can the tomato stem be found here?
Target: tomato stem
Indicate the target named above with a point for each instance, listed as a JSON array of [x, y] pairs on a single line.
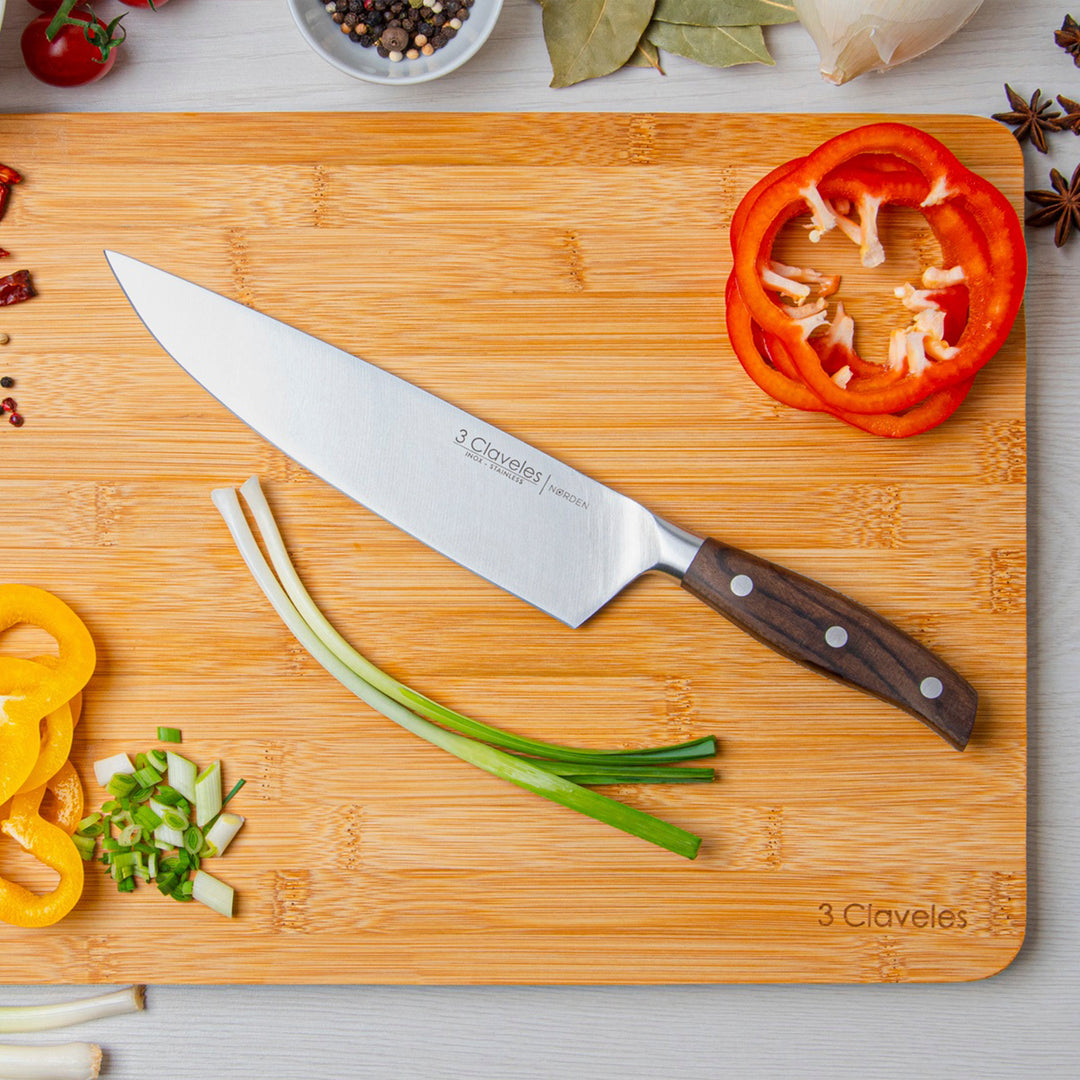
[[104, 37]]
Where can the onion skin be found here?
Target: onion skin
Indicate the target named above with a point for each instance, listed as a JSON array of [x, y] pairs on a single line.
[[858, 36]]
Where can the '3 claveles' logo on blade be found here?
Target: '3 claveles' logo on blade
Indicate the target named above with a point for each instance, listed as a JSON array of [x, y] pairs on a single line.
[[482, 449]]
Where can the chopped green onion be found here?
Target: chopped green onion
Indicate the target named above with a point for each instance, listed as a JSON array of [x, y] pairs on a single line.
[[169, 734], [208, 793], [85, 845], [169, 795], [173, 818], [193, 839], [221, 833], [147, 777], [355, 671], [147, 818], [121, 784], [215, 894], [107, 768], [182, 773], [159, 759], [129, 834]]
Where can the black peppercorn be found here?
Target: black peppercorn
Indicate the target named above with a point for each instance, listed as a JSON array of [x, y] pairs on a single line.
[[399, 29], [7, 382]]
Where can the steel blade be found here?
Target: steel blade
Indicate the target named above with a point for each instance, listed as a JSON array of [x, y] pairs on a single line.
[[498, 506]]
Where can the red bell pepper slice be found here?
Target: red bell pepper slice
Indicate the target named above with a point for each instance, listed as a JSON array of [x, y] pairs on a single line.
[[975, 225], [766, 360]]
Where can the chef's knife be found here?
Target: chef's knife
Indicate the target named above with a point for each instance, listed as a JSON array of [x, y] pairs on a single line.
[[509, 512]]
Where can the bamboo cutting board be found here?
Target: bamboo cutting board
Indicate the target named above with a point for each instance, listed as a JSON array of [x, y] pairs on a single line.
[[561, 276]]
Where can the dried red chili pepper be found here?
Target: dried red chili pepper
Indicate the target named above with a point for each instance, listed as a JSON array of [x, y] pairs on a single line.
[[9, 176], [14, 288]]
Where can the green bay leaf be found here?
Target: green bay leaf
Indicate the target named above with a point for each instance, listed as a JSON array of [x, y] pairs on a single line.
[[589, 38], [726, 12], [645, 55], [717, 46]]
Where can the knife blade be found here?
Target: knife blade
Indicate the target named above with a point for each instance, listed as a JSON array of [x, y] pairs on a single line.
[[511, 513]]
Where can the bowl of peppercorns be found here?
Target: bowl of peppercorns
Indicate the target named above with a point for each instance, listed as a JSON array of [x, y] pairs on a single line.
[[396, 41]]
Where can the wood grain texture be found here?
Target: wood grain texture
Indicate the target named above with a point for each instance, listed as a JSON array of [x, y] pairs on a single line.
[[562, 276]]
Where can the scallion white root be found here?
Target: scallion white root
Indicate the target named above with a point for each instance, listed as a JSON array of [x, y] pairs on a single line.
[[22, 1018], [68, 1061], [516, 770]]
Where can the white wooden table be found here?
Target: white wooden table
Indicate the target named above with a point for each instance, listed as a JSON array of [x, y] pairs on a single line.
[[236, 55]]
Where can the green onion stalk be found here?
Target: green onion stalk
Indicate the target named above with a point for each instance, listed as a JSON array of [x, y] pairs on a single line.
[[555, 772]]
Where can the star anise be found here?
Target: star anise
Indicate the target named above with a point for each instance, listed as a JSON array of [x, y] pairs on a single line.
[[1060, 207], [1068, 37], [1030, 118], [1071, 120]]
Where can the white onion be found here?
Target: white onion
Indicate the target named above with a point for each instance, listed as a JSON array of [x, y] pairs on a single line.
[[856, 36]]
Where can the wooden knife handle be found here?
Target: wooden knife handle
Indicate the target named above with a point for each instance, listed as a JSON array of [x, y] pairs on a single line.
[[826, 631]]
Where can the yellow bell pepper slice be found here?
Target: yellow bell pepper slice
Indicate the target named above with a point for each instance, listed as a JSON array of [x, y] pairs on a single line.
[[66, 806], [32, 690], [20, 735], [56, 737], [53, 747], [70, 670], [49, 844]]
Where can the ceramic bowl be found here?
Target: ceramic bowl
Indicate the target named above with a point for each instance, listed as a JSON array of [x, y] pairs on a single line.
[[325, 37]]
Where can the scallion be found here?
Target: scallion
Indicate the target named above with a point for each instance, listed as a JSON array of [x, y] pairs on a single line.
[[215, 894], [169, 734], [220, 834], [182, 773], [360, 676], [23, 1018], [107, 768], [413, 700], [68, 1061], [208, 794]]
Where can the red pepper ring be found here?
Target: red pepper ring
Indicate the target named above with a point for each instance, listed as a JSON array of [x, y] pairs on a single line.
[[738, 219], [884, 389], [921, 417], [771, 368], [970, 217], [782, 385]]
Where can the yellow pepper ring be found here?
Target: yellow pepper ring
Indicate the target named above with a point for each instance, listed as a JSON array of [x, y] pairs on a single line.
[[65, 808], [49, 844], [56, 738], [54, 747], [69, 671], [20, 735]]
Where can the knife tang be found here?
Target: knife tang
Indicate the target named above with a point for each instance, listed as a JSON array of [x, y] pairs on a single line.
[[824, 630]]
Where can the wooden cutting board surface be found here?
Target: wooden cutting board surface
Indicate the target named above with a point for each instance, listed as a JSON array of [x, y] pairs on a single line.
[[562, 276]]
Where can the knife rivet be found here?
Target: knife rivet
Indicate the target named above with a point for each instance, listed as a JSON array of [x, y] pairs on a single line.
[[931, 687], [836, 636], [742, 585]]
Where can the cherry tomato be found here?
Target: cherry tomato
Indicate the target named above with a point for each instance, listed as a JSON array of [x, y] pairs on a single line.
[[131, 3], [44, 5], [69, 59]]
